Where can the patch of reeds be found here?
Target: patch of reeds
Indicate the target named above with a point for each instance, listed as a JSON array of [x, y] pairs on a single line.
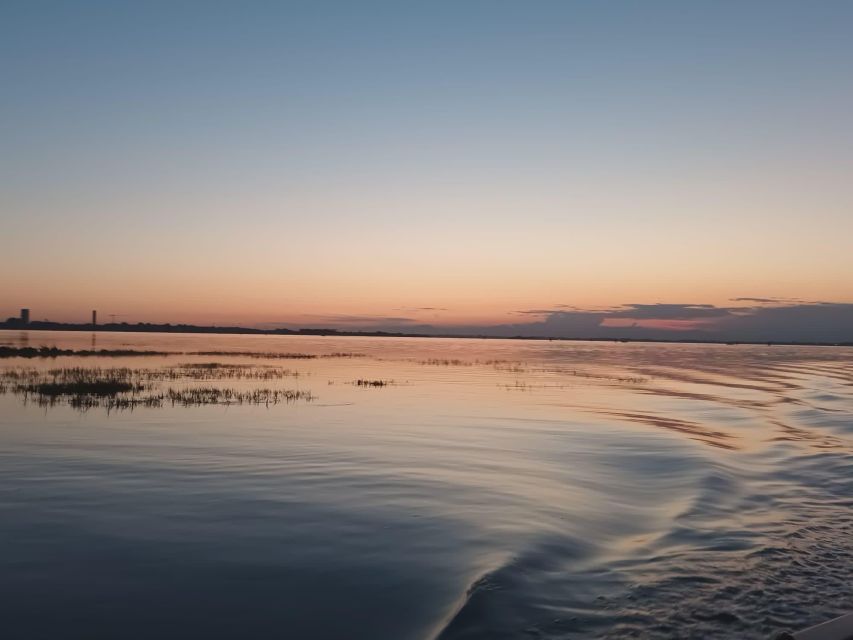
[[95, 388], [196, 396], [275, 355], [125, 388], [610, 378], [373, 383], [54, 352], [219, 371], [202, 371], [446, 362], [508, 366], [256, 354]]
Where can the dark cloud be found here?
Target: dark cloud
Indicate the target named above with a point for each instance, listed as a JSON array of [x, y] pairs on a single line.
[[760, 322], [813, 322], [782, 301], [670, 311], [556, 323], [538, 312], [356, 319], [563, 308], [781, 322], [765, 300]]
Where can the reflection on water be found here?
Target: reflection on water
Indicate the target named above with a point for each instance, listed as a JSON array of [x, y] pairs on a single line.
[[433, 489]]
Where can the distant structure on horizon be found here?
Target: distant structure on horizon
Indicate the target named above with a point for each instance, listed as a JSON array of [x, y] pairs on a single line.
[[94, 318], [21, 321]]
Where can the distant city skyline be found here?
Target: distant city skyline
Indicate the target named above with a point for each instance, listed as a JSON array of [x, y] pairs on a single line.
[[472, 164]]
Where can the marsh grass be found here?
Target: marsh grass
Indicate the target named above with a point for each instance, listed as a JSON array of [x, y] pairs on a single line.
[[499, 365], [274, 355], [256, 354], [126, 388], [196, 396], [53, 352], [94, 388], [373, 383], [610, 378], [219, 371]]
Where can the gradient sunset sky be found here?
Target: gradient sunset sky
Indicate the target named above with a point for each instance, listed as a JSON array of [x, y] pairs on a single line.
[[444, 163]]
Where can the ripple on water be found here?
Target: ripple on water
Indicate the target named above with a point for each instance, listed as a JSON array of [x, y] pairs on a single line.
[[508, 489], [733, 564]]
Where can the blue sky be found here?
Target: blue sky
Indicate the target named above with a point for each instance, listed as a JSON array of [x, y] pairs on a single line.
[[274, 161]]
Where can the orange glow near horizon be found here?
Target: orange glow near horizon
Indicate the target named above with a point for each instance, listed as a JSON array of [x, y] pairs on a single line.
[[329, 179], [264, 270]]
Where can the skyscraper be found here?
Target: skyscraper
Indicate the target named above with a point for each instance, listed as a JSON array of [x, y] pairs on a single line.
[[25, 316]]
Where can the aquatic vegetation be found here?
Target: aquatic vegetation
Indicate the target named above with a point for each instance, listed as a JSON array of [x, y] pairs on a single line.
[[95, 388], [256, 354], [188, 371], [219, 371], [54, 352], [275, 355], [510, 366], [190, 397], [520, 385], [70, 377], [126, 388], [610, 378], [373, 383], [196, 396]]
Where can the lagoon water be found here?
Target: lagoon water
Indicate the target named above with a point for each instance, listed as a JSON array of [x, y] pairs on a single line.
[[493, 489]]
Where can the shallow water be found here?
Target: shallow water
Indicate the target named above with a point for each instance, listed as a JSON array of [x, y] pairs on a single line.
[[493, 489]]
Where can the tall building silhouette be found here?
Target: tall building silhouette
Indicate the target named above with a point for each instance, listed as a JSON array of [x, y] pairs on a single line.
[[94, 317], [25, 316]]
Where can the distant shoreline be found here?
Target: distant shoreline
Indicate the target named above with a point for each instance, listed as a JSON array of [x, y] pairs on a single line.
[[145, 327]]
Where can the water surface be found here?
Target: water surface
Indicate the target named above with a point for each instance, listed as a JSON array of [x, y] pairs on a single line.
[[489, 489]]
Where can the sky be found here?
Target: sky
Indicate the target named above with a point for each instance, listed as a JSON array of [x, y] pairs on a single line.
[[462, 164]]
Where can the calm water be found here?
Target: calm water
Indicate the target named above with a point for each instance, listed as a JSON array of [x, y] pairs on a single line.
[[495, 489]]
